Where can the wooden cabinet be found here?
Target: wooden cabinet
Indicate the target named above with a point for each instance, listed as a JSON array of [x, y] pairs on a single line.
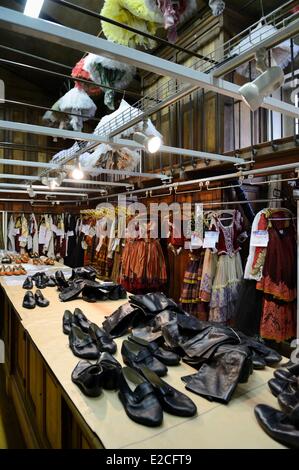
[[47, 416]]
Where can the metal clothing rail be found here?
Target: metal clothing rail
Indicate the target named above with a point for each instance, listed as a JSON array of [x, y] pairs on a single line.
[[277, 169]]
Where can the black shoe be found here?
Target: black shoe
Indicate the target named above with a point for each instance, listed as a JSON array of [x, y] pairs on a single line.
[[28, 283], [171, 400], [67, 322], [284, 374], [139, 399], [60, 280], [167, 357], [288, 401], [111, 371], [81, 320], [258, 361], [88, 378], [40, 282], [94, 294], [136, 356], [51, 282], [40, 299], [278, 386], [71, 292], [278, 425], [82, 344], [104, 341], [117, 293], [29, 300]]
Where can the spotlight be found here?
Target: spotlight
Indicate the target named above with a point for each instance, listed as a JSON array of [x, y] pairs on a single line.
[[77, 173], [151, 143], [52, 183], [253, 93], [31, 192]]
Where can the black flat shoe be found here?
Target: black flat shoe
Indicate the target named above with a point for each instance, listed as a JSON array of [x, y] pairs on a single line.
[[288, 401], [67, 322], [51, 282], [258, 361], [94, 294], [81, 320], [111, 371], [82, 344], [41, 281], [166, 357], [60, 280], [278, 425], [138, 398], [284, 374], [104, 341], [29, 300], [71, 292], [28, 283], [40, 299], [117, 293], [171, 400], [88, 378], [278, 386], [136, 356]]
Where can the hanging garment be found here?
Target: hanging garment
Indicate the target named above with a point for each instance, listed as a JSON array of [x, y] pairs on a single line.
[[190, 295], [111, 73], [80, 71], [229, 271], [24, 232], [135, 13], [249, 308], [280, 54], [256, 258], [208, 275], [217, 7], [11, 234], [175, 13], [32, 244], [279, 281]]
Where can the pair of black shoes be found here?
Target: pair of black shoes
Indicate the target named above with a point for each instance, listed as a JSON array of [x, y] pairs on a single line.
[[86, 339], [103, 293], [145, 396], [137, 353], [31, 300], [41, 281], [92, 378], [283, 426]]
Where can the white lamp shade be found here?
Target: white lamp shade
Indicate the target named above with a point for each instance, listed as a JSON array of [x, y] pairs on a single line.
[[253, 93]]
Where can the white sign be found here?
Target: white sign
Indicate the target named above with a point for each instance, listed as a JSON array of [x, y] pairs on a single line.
[[196, 241], [260, 238], [210, 240]]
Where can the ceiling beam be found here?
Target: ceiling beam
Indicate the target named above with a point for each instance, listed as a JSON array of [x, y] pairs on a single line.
[[119, 143], [63, 36]]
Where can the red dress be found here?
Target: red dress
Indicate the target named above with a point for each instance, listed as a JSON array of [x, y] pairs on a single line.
[[279, 282]]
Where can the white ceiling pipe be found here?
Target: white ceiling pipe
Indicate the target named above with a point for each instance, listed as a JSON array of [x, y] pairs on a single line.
[[90, 182], [49, 131], [46, 193], [58, 34], [41, 187], [260, 171], [50, 166]]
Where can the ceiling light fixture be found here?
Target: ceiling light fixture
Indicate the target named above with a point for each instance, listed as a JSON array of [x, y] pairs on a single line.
[[152, 143], [33, 8], [31, 191], [77, 173], [272, 78]]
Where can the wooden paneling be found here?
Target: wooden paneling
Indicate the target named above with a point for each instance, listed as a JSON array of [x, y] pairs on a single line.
[[35, 385], [52, 412]]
